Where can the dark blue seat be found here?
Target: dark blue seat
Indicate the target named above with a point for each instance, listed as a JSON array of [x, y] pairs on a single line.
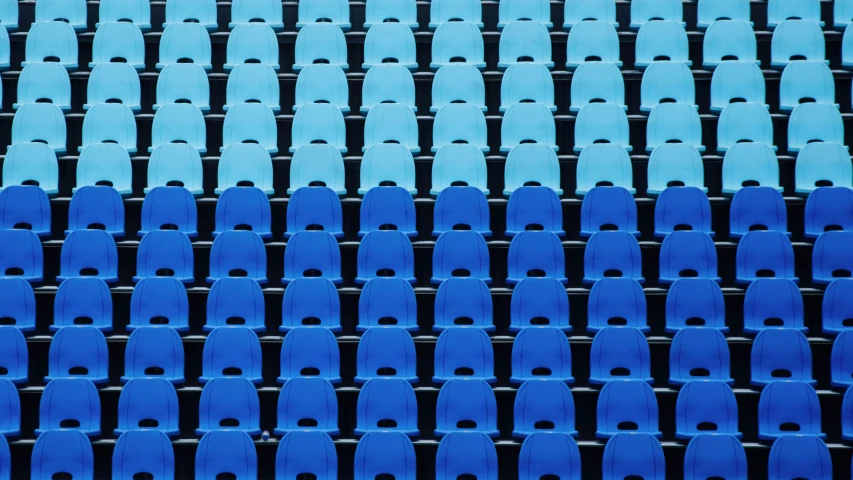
[[310, 352], [837, 308], [154, 352], [773, 303], [231, 352], [788, 408], [148, 404], [616, 302], [750, 164], [827, 208], [699, 354], [385, 453], [159, 302], [165, 253], [17, 304], [229, 403], [695, 302], [387, 302], [444, 11], [142, 452], [764, 254], [757, 208], [89, 253], [14, 359], [779, 11], [70, 403], [545, 454], [466, 405], [619, 353], [541, 353], [235, 301], [226, 453], [628, 455], [535, 254], [612, 254], [847, 415], [781, 354], [460, 253], [169, 208], [608, 208], [183, 83], [10, 419], [537, 302], [688, 254], [464, 352], [715, 455], [307, 404], [460, 208], [306, 452], [814, 122], [309, 302], [466, 454], [830, 257], [387, 405], [534, 208], [706, 407], [387, 208], [391, 123], [78, 352], [627, 406], [543, 406], [83, 301], [25, 207], [60, 452], [96, 208], [463, 302], [386, 352], [799, 456], [841, 361], [243, 208], [314, 208], [385, 253], [245, 165], [238, 253], [312, 254]]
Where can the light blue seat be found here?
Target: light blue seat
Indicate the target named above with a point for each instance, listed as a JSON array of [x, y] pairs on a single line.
[[15, 358], [460, 253], [543, 406], [224, 452], [532, 165], [306, 452], [546, 453], [44, 83], [773, 303], [321, 84], [245, 165], [734, 81], [597, 82], [823, 164], [17, 305], [466, 405], [779, 11], [757, 208], [390, 11], [847, 48], [69, 400], [169, 208], [148, 404], [51, 40], [533, 208], [105, 164], [682, 208], [830, 257], [389, 43], [699, 354], [245, 12], [229, 403], [97, 208], [175, 165], [612, 254], [444, 11], [387, 165], [254, 43], [764, 254], [674, 123], [525, 41], [9, 15], [154, 352], [387, 208], [601, 123], [457, 83], [250, 123], [238, 253], [159, 302], [312, 254], [463, 302], [387, 302], [75, 353], [111, 82], [165, 253], [231, 352], [200, 12], [606, 164], [592, 41], [137, 12], [695, 302], [461, 208], [842, 14], [318, 123], [143, 452], [317, 166], [252, 83], [524, 10], [688, 254], [627, 406], [89, 253], [21, 255], [118, 42], [795, 40], [841, 361], [535, 254], [179, 123], [10, 421], [183, 83], [608, 208], [184, 43], [464, 352], [41, 123], [385, 453], [235, 301], [706, 407], [827, 208], [814, 122], [675, 165], [837, 307], [786, 407], [387, 405], [458, 42], [541, 353], [310, 208], [537, 302], [666, 82], [460, 123], [804, 82], [619, 353], [111, 123], [25, 207], [5, 46], [744, 123], [310, 351], [391, 123], [463, 452], [780, 354], [729, 40], [710, 11], [576, 12], [307, 404], [62, 452], [528, 123], [644, 11], [459, 165], [386, 352], [335, 12], [800, 456], [750, 164], [660, 40]]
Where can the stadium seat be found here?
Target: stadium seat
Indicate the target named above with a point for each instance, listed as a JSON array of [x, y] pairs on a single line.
[[179, 123], [245, 165], [25, 207], [827, 208], [541, 353], [39, 123], [385, 453], [185, 43], [321, 306], [712, 455], [320, 43], [386, 352], [387, 405], [458, 124], [79, 352], [201, 12], [154, 352], [390, 123], [533, 208], [111, 83], [842, 360], [461, 302], [729, 40], [459, 208], [88, 253], [627, 406], [223, 453], [695, 302], [764, 254], [310, 208], [111, 124], [390, 11], [249, 12], [688, 254], [389, 43], [546, 454], [97, 208], [682, 208], [9, 15], [757, 208], [526, 123], [164, 253], [387, 165], [674, 123], [455, 83], [535, 254], [136, 12], [464, 352], [250, 123], [143, 452], [10, 421], [814, 122], [578, 11], [795, 40], [710, 11], [780, 354], [21, 255], [846, 417], [842, 14], [244, 208], [660, 40], [460, 253], [17, 305], [307, 404], [252, 83], [823, 164], [665, 82], [524, 10], [608, 209], [466, 454], [538, 302], [799, 456], [231, 352], [612, 254], [543, 406], [444, 11], [175, 165], [619, 353], [44, 83], [183, 83], [601, 123], [159, 302], [466, 405], [312, 254], [310, 352], [788, 408], [829, 257], [779, 10], [319, 123], [385, 253], [458, 43], [531, 165], [706, 407], [616, 302], [734, 81], [302, 453], [526, 83], [335, 12], [384, 83], [744, 123], [118, 42], [14, 357], [592, 41], [460, 165], [699, 354], [525, 41], [804, 82], [750, 164], [644, 11], [51, 41], [387, 302], [59, 452], [148, 404], [317, 166], [83, 301], [837, 306], [70, 404], [596, 82], [604, 165], [675, 165], [773, 303], [238, 253], [235, 302], [229, 403]]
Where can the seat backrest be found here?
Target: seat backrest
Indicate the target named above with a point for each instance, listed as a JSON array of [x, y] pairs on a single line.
[[224, 452], [317, 123], [251, 83], [387, 404], [461, 453], [800, 456], [463, 301], [788, 408], [804, 82], [185, 43], [608, 209], [612, 254], [388, 453], [606, 164], [25, 207], [169, 208], [710, 11], [458, 42], [111, 82], [532, 165], [83, 301], [525, 41], [822, 164], [526, 123], [461, 208], [159, 302], [619, 354], [320, 43], [120, 42], [627, 406], [699, 354], [464, 352], [466, 405], [231, 352], [795, 40], [310, 302], [17, 304], [53, 41], [307, 404], [307, 452], [660, 40], [385, 352], [757, 208], [601, 123], [460, 253], [688, 254], [387, 302], [229, 403], [389, 43], [597, 82], [695, 302], [633, 455], [385, 253], [70, 403], [444, 11], [541, 353], [310, 352], [183, 83], [827, 208], [250, 123], [388, 208], [314, 208], [323, 84], [41, 123], [455, 83], [175, 165], [44, 83], [154, 352], [526, 83], [780, 354], [616, 302], [710, 455], [143, 452], [592, 41], [539, 302], [324, 11], [312, 254], [534, 208], [667, 82], [179, 123]]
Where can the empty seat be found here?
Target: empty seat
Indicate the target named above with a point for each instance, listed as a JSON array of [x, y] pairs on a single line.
[[184, 43], [675, 165], [466, 405], [44, 83], [526, 123], [317, 165], [757, 208], [105, 164], [846, 417], [688, 254], [164, 253], [592, 41], [460, 253], [25, 207], [644, 11], [612, 254], [699, 354], [250, 123], [660, 40], [444, 11], [714, 455], [62, 452], [89, 253], [385, 253], [235, 301], [310, 302], [532, 165], [822, 164], [601, 123], [773, 303], [695, 302], [605, 164], [238, 253], [460, 208], [466, 454], [113, 83], [390, 11], [201, 12], [21, 255], [842, 14], [453, 83], [674, 123], [136, 12], [35, 164], [814, 122], [706, 407], [804, 82], [141, 453], [183, 83], [546, 453], [387, 405], [97, 208], [119, 42], [616, 302], [252, 83], [710, 11], [389, 43], [53, 41], [17, 305], [764, 254], [534, 208], [799, 456], [841, 361], [629, 455], [537, 302], [627, 406], [830, 259], [596, 82], [388, 208], [9, 15], [175, 165], [320, 43], [154, 352], [608, 208], [71, 404], [111, 124], [735, 81], [751, 165], [388, 164], [252, 44], [14, 357], [321, 84], [179, 123], [535, 254], [526, 83], [231, 352], [223, 453], [246, 12], [306, 452], [665, 82], [307, 404], [525, 41], [243, 208], [385, 453], [827, 208], [460, 123], [729, 40], [779, 10], [83, 301], [79, 352], [147, 404], [312, 254], [461, 302], [795, 40], [386, 352], [619, 354], [744, 123], [459, 165], [788, 408], [159, 302], [780, 354], [541, 353], [837, 306], [682, 208], [10, 421], [319, 124], [40, 123], [229, 403], [329, 11], [524, 10], [310, 208], [387, 302], [458, 42], [391, 124], [464, 352], [245, 165], [310, 352]]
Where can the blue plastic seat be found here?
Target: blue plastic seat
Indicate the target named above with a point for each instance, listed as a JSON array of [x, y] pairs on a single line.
[[525, 41], [830, 258], [231, 352], [10, 422], [183, 83], [847, 415], [604, 165], [321, 84], [597, 82], [734, 81], [391, 123], [143, 452], [460, 208], [165, 253], [644, 11], [459, 43], [699, 354], [682, 208], [319, 123], [453, 83], [21, 255], [83, 301], [223, 453], [764, 254], [387, 405], [466, 454], [706, 407], [385, 453], [608, 208], [524, 10], [460, 253], [612, 254], [235, 301], [179, 123], [17, 306], [827, 208], [169, 208], [335, 12], [35, 164], [799, 456], [729, 40], [780, 354], [118, 42], [535, 254], [137, 12], [387, 302], [154, 352], [526, 82], [109, 123], [660, 40], [619, 353], [460, 123], [688, 254], [386, 352], [105, 164], [54, 40], [9, 15], [202, 12], [387, 208], [814, 122], [466, 405], [744, 123], [70, 404], [41, 123], [532, 165], [526, 123], [385, 253], [629, 455], [674, 123], [320, 43], [159, 302], [541, 353], [667, 82], [312, 254], [546, 453], [249, 12], [254, 43], [386, 165], [14, 357], [238, 253], [757, 208], [60, 452], [310, 208], [715, 455], [250, 123], [779, 11], [538, 302], [695, 302], [88, 253], [627, 406], [795, 40], [389, 43], [459, 165], [175, 165], [837, 307], [675, 165], [601, 123], [310, 302], [306, 452], [111, 82], [148, 404], [78, 352], [390, 11], [252, 83], [307, 404], [97, 208], [464, 352], [788, 408], [841, 361], [44, 83], [751, 165], [461, 302], [245, 165], [773, 303], [185, 43], [822, 164], [534, 208], [229, 403], [710, 11], [444, 11], [804, 82], [592, 41], [310, 352], [616, 302], [25, 207], [842, 14]]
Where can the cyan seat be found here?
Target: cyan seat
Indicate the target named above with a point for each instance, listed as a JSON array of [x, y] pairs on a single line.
[[5, 46], [526, 123], [464, 352], [238, 253], [159, 302], [310, 352], [627, 406], [306, 452], [385, 453], [804, 82], [320, 43], [53, 41], [25, 207], [310, 208], [317, 166], [695, 302], [113, 82], [137, 12], [460, 165], [307, 404], [460, 253], [200, 12], [309, 302], [772, 303], [455, 83], [711, 11], [229, 403], [463, 452], [830, 257], [710, 455], [318, 123], [532, 165], [757, 208], [699, 354], [460, 208], [847, 48], [706, 407], [460, 123], [750, 164], [17, 305], [62, 452], [44, 83], [688, 254], [388, 208], [21, 255], [781, 354], [842, 14], [183, 83], [312, 254], [390, 11], [387, 165], [682, 208], [788, 408], [387, 352], [154, 352], [253, 43], [779, 10], [387, 405], [118, 42], [599, 123], [169, 208], [814, 122], [231, 352], [164, 253], [841, 361], [97, 208], [250, 123], [10, 424], [226, 452], [547, 453], [148, 404], [837, 306], [800, 456], [535, 254], [660, 40], [335, 12], [677, 123], [83, 301], [764, 254], [795, 40], [612, 254], [387, 302], [644, 11], [619, 353], [179, 123], [9, 15], [608, 209], [322, 84], [675, 165], [143, 452], [245, 165], [597, 82], [827, 208], [14, 358], [458, 42], [616, 302], [534, 208], [248, 12], [744, 123], [252, 83], [175, 165], [592, 41], [389, 43], [444, 11], [579, 11], [543, 406], [524, 41], [463, 302], [40, 123], [235, 301], [665, 82], [734, 81], [525, 83], [185, 43], [524, 10], [541, 353], [89, 253], [604, 165], [391, 123], [822, 164], [110, 123], [466, 405], [70, 404], [538, 302], [729, 40]]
